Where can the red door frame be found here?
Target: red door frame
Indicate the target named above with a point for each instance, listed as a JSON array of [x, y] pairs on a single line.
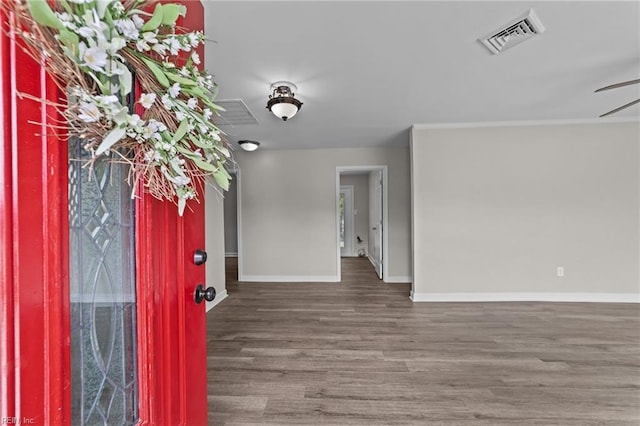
[[173, 383], [34, 290], [35, 384]]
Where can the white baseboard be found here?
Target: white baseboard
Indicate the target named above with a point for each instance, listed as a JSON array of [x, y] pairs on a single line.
[[398, 279], [290, 278], [219, 298], [231, 254], [526, 297]]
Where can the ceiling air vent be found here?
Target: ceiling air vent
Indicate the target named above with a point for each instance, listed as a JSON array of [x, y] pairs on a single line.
[[236, 112], [514, 33]]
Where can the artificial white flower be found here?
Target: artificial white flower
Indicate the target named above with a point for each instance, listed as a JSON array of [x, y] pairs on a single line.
[[134, 120], [117, 43], [160, 49], [192, 103], [142, 46], [207, 114], [149, 37], [113, 68], [173, 44], [64, 17], [93, 57], [194, 39], [89, 112], [118, 7], [148, 131], [147, 100], [181, 180], [151, 156], [174, 90], [167, 102], [195, 58], [127, 28], [107, 99], [180, 115], [138, 21], [86, 32], [68, 20], [161, 126]]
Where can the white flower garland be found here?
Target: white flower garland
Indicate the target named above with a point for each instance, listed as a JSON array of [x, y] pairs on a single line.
[[176, 141]]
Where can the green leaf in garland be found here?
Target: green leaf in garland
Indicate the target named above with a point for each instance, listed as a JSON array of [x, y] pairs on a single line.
[[108, 18], [204, 165], [121, 116], [110, 139], [184, 151], [170, 13], [101, 7], [155, 20], [157, 72], [180, 79], [212, 105], [182, 203], [222, 178], [70, 40], [200, 143], [126, 80], [193, 90], [43, 15], [182, 130], [223, 150]]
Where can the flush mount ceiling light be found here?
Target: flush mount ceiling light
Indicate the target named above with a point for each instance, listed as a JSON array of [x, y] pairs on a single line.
[[282, 102], [249, 145]]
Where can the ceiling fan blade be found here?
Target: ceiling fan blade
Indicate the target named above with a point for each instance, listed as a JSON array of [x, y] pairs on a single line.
[[620, 108], [615, 86]]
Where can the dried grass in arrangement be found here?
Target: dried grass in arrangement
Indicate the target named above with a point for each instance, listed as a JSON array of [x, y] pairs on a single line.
[[97, 51]]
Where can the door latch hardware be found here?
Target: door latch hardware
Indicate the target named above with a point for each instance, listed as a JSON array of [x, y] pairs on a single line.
[[207, 294], [199, 257]]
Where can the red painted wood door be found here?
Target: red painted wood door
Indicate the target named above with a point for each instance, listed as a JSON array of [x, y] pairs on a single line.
[[35, 307]]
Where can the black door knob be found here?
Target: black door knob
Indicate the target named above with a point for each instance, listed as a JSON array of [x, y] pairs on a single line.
[[207, 294], [199, 257]]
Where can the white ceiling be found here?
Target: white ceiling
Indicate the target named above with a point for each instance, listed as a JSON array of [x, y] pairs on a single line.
[[367, 70]]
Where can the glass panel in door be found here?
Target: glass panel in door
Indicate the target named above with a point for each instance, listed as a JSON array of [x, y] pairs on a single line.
[[102, 290]]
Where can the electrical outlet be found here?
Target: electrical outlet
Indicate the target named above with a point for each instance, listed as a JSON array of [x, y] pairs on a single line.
[[560, 271]]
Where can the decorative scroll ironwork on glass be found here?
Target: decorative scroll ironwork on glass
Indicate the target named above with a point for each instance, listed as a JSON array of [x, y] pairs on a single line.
[[103, 300]]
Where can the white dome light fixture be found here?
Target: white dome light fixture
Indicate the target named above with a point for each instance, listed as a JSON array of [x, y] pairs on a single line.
[[282, 102], [249, 145]]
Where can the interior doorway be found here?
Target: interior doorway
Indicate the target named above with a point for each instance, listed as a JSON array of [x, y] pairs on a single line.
[[232, 227], [361, 215], [346, 220]]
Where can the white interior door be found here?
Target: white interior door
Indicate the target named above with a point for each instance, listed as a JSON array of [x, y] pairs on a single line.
[[345, 222], [376, 225]]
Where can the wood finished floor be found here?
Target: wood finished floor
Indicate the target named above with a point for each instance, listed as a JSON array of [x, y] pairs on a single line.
[[360, 353]]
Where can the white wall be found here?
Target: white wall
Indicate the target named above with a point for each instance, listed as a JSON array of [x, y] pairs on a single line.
[[360, 183], [214, 240], [289, 211], [497, 209]]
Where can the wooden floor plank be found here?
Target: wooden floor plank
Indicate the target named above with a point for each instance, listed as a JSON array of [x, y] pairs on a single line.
[[360, 352]]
